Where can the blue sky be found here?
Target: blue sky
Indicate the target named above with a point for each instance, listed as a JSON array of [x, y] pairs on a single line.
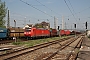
[[77, 11]]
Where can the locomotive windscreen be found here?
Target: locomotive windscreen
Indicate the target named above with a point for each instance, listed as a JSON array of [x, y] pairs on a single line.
[[27, 29]]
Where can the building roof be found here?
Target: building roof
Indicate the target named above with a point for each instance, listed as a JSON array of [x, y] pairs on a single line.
[[28, 26]]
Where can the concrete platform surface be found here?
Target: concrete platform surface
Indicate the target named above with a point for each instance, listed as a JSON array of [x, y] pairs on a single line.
[[84, 53]]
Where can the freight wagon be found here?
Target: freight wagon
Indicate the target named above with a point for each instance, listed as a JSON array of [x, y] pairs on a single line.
[[16, 32], [4, 33], [53, 33]]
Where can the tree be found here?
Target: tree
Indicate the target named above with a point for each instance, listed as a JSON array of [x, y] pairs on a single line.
[[3, 11]]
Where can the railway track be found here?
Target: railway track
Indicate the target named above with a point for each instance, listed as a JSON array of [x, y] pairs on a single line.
[[30, 49], [52, 47], [10, 41], [5, 41], [66, 52]]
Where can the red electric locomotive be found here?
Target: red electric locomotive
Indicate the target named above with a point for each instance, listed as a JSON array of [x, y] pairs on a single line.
[[62, 32], [67, 32], [36, 32]]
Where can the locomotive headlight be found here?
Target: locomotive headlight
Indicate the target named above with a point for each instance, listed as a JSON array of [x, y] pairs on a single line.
[[24, 32], [29, 33]]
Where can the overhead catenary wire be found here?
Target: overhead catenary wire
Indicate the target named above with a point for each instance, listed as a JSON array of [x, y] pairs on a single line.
[[35, 8], [83, 10], [47, 7], [20, 15], [70, 10], [43, 5]]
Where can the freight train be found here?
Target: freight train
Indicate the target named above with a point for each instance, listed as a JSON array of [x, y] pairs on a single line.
[[41, 32], [32, 32]]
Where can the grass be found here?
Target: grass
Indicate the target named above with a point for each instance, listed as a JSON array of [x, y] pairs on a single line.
[[30, 43]]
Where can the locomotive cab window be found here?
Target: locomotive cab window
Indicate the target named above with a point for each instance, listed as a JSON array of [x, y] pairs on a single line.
[[28, 30]]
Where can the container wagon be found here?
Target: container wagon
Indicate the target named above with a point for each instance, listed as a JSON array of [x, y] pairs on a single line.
[[4, 33]]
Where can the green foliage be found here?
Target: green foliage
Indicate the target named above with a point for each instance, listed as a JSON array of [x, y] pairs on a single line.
[[38, 25], [35, 42], [3, 10], [16, 43]]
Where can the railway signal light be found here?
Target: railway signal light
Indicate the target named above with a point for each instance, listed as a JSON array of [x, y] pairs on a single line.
[[75, 25], [58, 27], [14, 20], [86, 25]]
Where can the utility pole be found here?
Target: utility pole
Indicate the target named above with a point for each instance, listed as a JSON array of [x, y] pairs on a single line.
[[15, 31], [8, 21], [65, 25], [15, 23], [62, 22], [54, 22], [57, 23], [25, 21], [71, 26]]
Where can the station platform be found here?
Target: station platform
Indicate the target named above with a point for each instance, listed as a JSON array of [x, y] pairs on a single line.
[[84, 52]]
